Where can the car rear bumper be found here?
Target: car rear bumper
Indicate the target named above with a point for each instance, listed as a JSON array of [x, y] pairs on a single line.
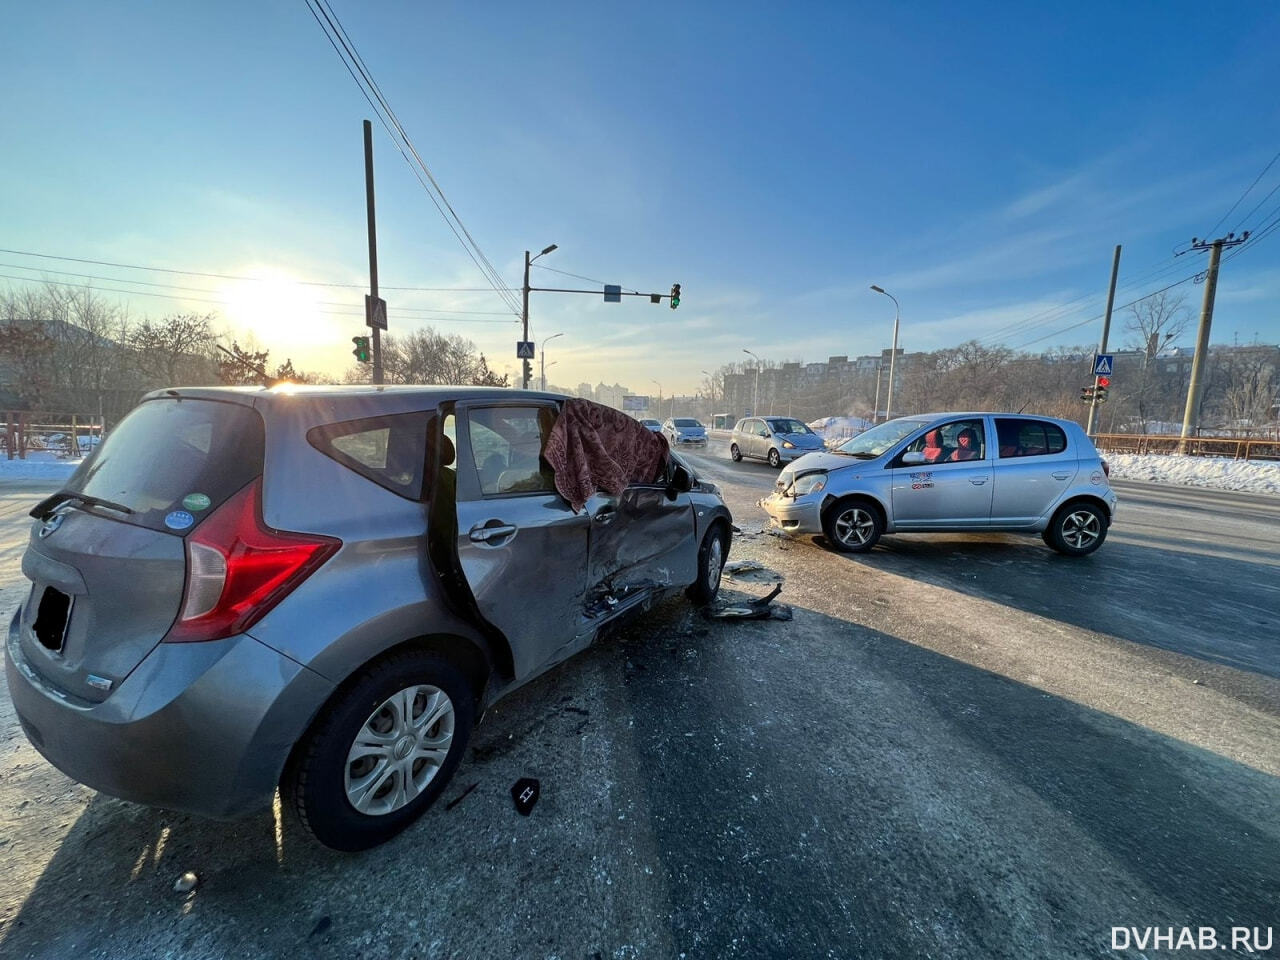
[[200, 727], [794, 516]]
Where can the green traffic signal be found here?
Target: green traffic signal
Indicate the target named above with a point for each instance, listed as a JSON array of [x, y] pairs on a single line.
[[675, 295], [361, 352]]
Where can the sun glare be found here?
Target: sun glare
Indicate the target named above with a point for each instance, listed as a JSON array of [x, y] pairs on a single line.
[[283, 315]]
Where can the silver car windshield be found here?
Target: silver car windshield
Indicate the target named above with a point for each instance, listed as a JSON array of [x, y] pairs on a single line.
[[874, 442], [788, 427]]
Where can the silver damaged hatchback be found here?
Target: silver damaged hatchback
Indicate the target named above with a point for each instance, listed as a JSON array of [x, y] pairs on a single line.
[[321, 589]]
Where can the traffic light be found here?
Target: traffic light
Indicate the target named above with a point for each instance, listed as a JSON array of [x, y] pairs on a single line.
[[528, 372], [675, 295], [361, 352], [1086, 394], [1100, 395]]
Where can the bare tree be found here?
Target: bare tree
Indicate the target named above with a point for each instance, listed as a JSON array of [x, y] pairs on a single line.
[[1155, 320], [1248, 378], [178, 350]]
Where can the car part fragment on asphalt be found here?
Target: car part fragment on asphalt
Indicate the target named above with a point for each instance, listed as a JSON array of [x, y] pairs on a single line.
[[751, 571], [525, 794], [186, 883], [760, 609]]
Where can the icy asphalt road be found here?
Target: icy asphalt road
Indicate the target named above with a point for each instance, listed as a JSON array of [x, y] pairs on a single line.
[[962, 746]]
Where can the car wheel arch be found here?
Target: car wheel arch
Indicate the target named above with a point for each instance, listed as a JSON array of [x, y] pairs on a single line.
[[465, 654], [832, 498], [1074, 499]]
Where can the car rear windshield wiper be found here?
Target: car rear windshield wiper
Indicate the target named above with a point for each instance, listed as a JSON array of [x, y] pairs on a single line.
[[45, 507]]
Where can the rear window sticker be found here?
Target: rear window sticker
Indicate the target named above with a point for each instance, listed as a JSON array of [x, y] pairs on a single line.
[[179, 520], [196, 501]]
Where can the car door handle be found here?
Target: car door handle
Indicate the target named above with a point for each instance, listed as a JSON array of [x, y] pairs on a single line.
[[607, 515], [492, 535], [1061, 476], [977, 481]]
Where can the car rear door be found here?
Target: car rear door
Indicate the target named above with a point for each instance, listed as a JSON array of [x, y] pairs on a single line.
[[1034, 465], [522, 549], [108, 581], [948, 494]]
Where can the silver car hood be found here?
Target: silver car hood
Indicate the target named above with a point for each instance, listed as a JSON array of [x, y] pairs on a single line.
[[824, 461]]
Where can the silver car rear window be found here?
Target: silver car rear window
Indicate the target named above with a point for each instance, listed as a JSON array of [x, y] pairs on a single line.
[[174, 461]]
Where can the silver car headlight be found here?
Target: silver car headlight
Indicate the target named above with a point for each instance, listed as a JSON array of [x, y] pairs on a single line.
[[809, 483], [788, 444]]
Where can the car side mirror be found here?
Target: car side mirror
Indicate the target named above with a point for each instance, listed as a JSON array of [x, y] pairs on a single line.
[[912, 458], [681, 482]]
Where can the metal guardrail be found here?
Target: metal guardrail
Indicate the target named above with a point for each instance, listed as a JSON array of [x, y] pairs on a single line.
[[1239, 448]]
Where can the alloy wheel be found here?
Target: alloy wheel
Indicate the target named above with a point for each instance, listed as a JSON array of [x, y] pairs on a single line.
[[1080, 529], [854, 526]]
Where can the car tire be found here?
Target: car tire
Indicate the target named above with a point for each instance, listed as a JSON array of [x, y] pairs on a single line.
[[711, 557], [325, 773], [852, 525], [1077, 529], [735, 452], [775, 460]]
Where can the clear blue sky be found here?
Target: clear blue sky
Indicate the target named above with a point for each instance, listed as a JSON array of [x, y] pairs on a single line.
[[978, 160]]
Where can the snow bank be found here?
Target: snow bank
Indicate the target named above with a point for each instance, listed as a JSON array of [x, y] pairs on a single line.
[[38, 466], [1249, 476]]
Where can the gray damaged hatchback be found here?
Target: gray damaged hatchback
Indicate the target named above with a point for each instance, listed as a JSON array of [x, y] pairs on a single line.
[[321, 589]]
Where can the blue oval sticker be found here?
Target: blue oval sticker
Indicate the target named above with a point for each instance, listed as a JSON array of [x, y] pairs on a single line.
[[179, 520]]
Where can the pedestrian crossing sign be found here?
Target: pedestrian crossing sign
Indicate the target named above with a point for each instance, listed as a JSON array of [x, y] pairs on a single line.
[[1102, 364]]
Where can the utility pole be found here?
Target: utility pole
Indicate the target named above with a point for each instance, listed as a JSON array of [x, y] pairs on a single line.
[[373, 246], [1191, 416], [1106, 331], [524, 319]]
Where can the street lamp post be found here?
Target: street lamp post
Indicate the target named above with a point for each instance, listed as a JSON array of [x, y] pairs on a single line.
[[651, 380], [893, 355], [712, 381], [524, 310], [543, 359], [755, 395]]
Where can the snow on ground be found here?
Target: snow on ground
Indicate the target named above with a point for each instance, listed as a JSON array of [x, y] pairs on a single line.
[[1250, 476], [39, 465]]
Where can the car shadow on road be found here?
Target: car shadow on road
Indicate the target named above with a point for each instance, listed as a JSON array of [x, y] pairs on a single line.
[[828, 789], [1135, 587], [763, 788]]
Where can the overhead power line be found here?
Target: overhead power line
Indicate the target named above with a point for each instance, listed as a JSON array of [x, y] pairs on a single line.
[[342, 44], [1221, 220], [225, 276], [419, 313]]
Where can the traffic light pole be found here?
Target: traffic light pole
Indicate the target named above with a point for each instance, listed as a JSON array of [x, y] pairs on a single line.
[[373, 248], [1106, 332], [526, 367]]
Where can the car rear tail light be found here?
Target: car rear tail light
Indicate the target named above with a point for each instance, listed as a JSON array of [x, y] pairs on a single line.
[[238, 568], [1106, 469]]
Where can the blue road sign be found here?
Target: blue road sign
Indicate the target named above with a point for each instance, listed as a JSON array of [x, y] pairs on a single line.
[[612, 293], [1103, 364], [524, 349]]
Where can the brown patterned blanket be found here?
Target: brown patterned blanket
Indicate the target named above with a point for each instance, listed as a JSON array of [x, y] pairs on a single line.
[[594, 447]]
